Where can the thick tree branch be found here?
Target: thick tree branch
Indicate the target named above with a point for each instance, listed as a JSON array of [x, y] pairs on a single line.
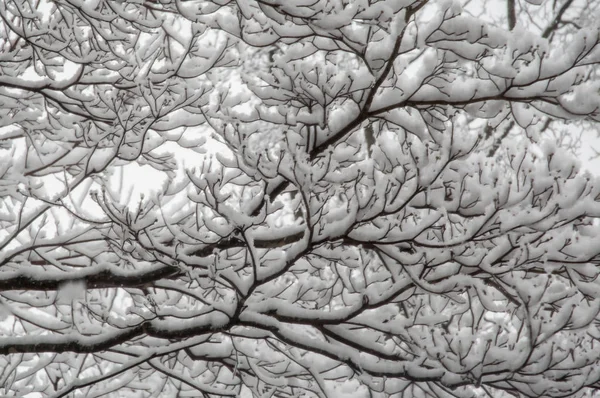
[[90, 278], [511, 13]]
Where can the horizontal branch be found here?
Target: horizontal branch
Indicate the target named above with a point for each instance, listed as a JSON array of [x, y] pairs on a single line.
[[104, 278], [210, 323], [233, 242]]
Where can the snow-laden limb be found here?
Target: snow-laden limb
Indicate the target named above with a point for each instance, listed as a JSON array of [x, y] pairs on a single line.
[[202, 388], [131, 364]]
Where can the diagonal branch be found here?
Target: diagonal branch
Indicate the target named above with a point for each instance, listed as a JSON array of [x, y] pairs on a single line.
[[150, 354], [557, 19]]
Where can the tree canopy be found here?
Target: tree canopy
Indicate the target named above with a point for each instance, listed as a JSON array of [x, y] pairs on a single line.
[[339, 198]]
